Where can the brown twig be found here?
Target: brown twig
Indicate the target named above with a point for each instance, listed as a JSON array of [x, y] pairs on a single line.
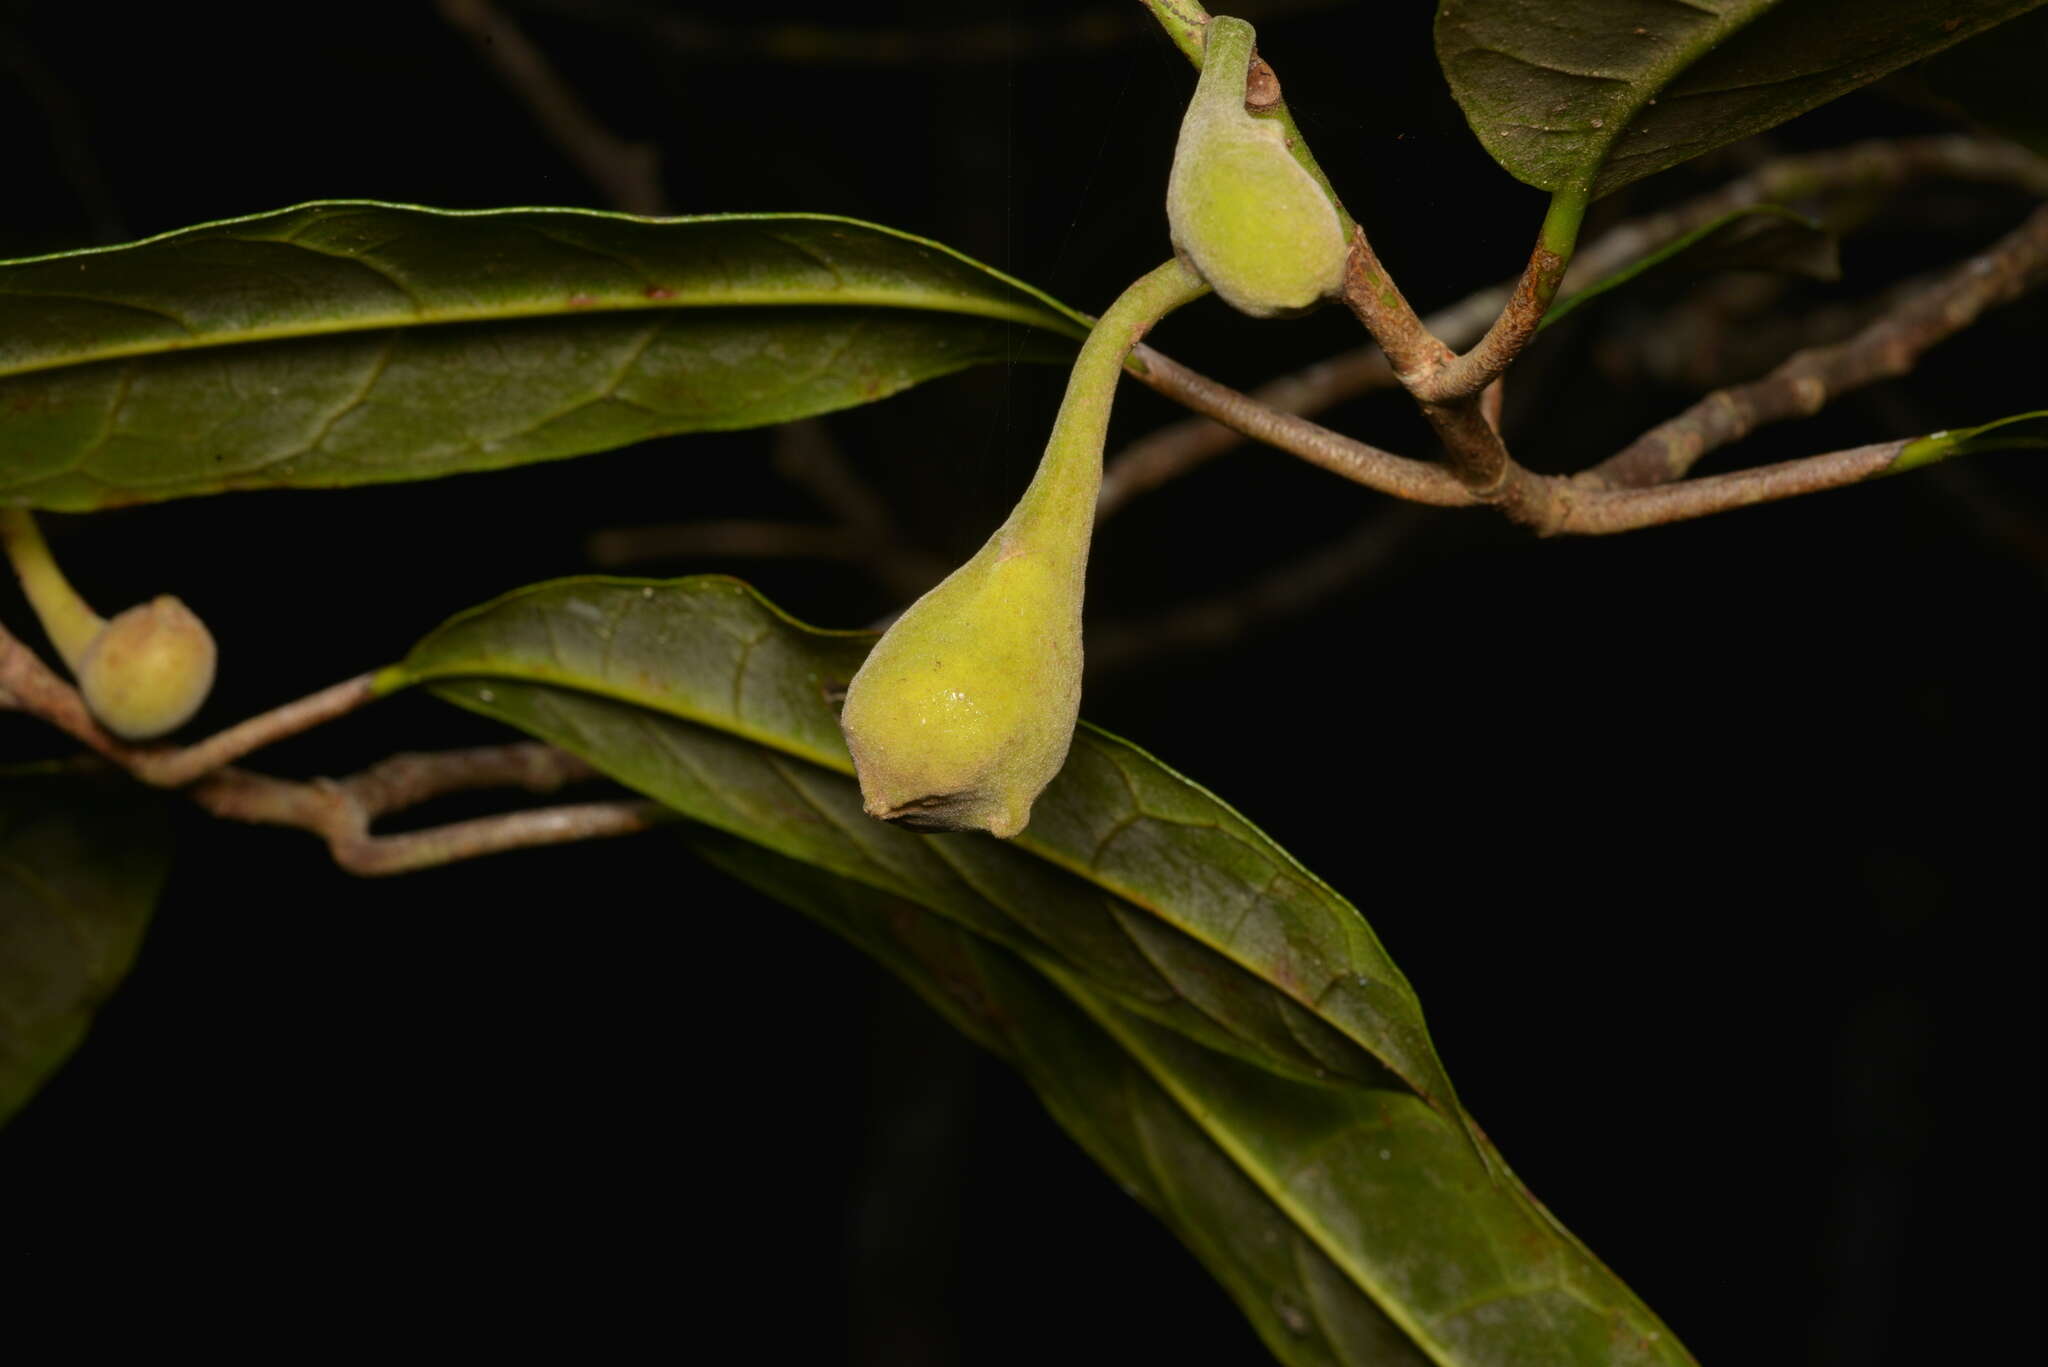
[[1377, 301], [407, 780], [1413, 480], [1425, 364], [1476, 453], [1580, 508], [1887, 347], [39, 690], [1446, 384], [1598, 501], [1176, 449], [1547, 504], [629, 173], [1870, 166], [1491, 401], [173, 768], [1434, 373], [340, 811], [1464, 378]]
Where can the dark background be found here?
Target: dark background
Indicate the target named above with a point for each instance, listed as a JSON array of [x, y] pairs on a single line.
[[1706, 847]]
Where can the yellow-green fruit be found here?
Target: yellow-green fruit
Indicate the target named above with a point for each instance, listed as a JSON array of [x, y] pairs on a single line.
[[1249, 218], [148, 669], [963, 711]]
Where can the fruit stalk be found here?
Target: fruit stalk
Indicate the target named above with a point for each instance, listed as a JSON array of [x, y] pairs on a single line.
[[67, 618]]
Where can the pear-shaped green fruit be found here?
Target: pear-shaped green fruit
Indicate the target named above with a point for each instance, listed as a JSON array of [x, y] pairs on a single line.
[[1249, 218], [963, 711], [148, 669]]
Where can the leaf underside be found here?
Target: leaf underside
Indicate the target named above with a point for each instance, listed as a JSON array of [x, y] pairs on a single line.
[[1585, 96], [348, 343], [1219, 1028], [81, 863]]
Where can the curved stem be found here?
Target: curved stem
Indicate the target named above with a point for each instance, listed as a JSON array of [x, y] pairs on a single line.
[[67, 618], [1415, 480], [1064, 490], [1442, 378]]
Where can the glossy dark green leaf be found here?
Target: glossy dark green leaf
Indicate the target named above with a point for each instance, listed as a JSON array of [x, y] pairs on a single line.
[[1265, 956], [1229, 1037], [1758, 237], [1996, 79], [1302, 1305], [81, 863], [350, 342], [1584, 96]]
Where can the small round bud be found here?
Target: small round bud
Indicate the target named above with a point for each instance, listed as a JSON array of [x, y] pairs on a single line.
[[148, 670]]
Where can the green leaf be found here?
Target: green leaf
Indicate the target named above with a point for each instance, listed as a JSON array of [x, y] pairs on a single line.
[[1266, 960], [1299, 1302], [351, 342], [1758, 237], [1264, 1050], [81, 864], [2000, 435], [1584, 96], [1995, 78]]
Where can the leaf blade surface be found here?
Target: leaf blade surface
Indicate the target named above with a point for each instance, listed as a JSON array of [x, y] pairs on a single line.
[[81, 864], [1585, 96], [352, 342], [1214, 1006]]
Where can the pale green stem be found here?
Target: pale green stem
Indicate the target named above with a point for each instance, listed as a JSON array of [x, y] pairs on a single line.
[[1559, 239], [1183, 21], [67, 618], [1069, 476], [1561, 224], [1991, 436]]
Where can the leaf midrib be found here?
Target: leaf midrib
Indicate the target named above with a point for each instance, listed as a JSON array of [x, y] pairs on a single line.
[[1245, 1162], [844, 298], [1034, 309], [401, 675]]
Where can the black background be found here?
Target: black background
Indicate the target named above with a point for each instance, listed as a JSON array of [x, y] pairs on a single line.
[[1706, 847]]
